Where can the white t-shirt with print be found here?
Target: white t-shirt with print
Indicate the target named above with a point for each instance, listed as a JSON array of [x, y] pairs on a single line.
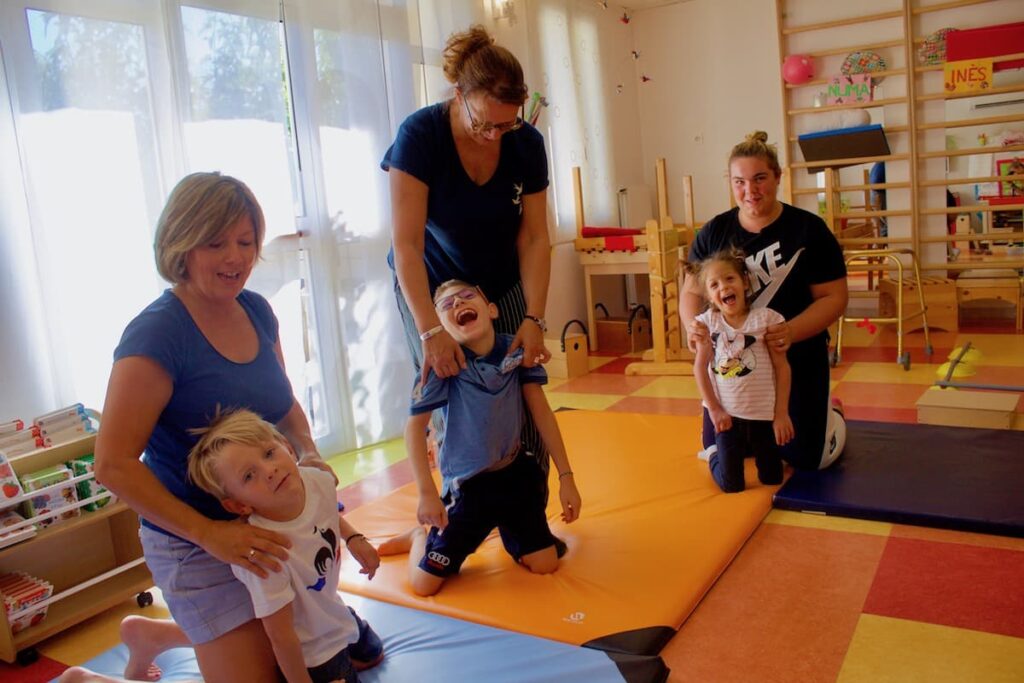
[[309, 578], [742, 371]]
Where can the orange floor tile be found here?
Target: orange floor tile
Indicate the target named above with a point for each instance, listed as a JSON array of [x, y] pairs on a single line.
[[808, 598]]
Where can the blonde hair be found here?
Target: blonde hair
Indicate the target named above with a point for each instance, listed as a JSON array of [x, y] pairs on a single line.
[[448, 284], [731, 256], [756, 145], [242, 427], [474, 63], [198, 211]]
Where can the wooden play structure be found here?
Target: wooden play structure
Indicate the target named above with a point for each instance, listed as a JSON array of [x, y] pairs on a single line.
[[917, 114], [656, 251]]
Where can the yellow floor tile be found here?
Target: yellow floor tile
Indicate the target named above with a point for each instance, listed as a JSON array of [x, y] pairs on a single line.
[[555, 382], [996, 349], [582, 401], [670, 387], [919, 373], [594, 362], [885, 649], [829, 523], [353, 466], [97, 635]]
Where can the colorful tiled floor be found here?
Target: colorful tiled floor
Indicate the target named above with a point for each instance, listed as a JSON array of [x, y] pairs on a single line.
[[809, 598]]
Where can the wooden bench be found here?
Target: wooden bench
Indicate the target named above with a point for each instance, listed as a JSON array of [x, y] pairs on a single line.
[[1001, 285]]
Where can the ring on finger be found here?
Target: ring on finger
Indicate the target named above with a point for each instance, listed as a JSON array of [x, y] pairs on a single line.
[[252, 553]]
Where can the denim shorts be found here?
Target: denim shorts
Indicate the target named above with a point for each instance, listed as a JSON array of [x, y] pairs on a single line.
[[203, 595]]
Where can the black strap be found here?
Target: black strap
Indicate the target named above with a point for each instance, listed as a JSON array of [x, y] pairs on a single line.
[[568, 325], [636, 309]]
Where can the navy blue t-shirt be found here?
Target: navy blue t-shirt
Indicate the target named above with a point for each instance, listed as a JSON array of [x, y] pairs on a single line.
[[783, 260], [471, 229], [203, 379]]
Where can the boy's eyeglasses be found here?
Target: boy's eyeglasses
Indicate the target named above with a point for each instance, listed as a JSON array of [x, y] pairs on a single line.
[[446, 303], [484, 127]]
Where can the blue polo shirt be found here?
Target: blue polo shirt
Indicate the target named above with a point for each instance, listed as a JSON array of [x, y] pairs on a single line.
[[471, 229], [483, 409]]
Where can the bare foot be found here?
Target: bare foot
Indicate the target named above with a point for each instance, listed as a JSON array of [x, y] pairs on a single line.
[[146, 638], [400, 544], [77, 674]]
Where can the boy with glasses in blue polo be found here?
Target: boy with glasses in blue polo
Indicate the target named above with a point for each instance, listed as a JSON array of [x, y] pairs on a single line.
[[488, 479]]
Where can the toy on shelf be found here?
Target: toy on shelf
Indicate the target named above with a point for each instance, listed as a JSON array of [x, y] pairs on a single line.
[[798, 69], [20, 592], [47, 492]]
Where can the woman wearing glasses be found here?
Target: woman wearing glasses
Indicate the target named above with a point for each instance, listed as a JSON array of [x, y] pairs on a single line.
[[468, 180]]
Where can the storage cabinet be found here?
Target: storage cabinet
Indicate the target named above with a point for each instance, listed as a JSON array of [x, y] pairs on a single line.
[[94, 561]]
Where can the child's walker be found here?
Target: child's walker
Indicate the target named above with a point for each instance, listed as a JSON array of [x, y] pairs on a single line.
[[874, 257]]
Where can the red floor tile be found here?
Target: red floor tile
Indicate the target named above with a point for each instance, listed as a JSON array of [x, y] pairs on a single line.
[[872, 414], [950, 584], [999, 375], [658, 406], [43, 670], [924, 533], [785, 610], [375, 485], [879, 395], [615, 367]]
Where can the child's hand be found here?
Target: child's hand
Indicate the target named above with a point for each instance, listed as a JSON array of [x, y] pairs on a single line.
[[721, 419], [570, 498], [365, 554], [783, 427], [431, 512], [697, 335]]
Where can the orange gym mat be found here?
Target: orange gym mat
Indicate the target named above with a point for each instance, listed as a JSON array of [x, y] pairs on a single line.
[[654, 534]]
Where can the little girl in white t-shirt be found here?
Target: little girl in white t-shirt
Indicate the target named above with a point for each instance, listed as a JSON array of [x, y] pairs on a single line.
[[744, 383]]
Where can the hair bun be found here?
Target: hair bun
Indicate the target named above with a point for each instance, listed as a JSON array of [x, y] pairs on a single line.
[[460, 47], [758, 136]]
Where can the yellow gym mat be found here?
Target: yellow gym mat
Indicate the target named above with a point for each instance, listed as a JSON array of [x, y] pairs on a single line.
[[654, 534]]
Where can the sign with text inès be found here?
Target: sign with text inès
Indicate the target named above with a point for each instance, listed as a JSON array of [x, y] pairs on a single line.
[[968, 75]]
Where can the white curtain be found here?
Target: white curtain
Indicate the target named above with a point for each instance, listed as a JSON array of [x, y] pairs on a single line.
[[107, 103]]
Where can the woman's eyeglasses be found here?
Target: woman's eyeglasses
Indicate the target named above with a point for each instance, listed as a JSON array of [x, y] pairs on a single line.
[[446, 303], [485, 127]]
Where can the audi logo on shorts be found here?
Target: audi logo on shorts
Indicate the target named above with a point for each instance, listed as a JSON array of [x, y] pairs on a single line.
[[438, 558]]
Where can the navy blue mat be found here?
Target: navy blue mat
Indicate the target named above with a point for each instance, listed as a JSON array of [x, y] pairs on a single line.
[[422, 646], [948, 477]]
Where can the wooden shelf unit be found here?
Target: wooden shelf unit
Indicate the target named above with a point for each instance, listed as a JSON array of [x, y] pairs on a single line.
[[94, 561], [910, 105]]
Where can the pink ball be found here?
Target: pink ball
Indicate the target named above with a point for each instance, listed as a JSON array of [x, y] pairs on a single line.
[[797, 69]]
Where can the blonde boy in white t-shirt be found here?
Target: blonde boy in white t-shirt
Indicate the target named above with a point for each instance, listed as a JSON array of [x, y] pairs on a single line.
[[744, 383], [249, 467]]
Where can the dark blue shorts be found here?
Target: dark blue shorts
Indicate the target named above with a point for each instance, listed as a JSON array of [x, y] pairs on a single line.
[[512, 499], [366, 650], [336, 668]]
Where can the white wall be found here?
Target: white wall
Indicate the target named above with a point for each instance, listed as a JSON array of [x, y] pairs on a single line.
[[714, 69], [577, 54]]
